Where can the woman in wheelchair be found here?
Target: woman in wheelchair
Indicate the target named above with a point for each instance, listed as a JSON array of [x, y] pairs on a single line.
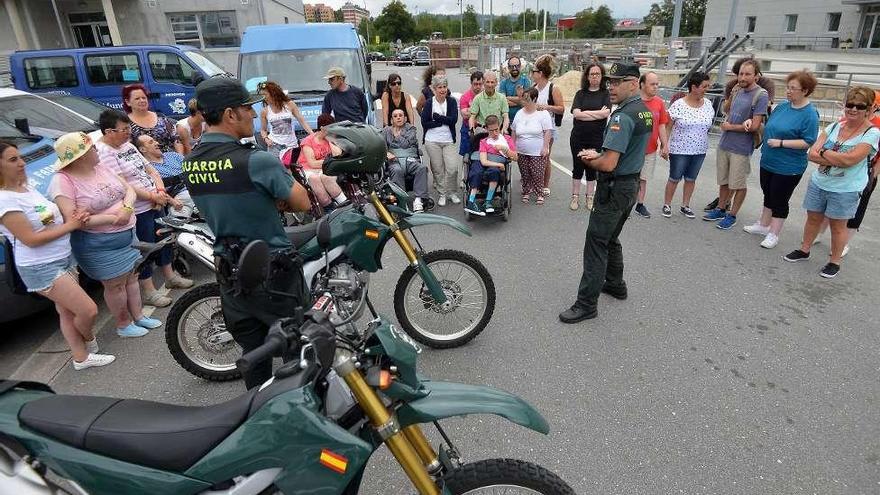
[[403, 158], [315, 148], [496, 152]]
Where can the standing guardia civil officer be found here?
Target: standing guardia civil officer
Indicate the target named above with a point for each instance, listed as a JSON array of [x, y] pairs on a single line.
[[618, 166], [238, 189]]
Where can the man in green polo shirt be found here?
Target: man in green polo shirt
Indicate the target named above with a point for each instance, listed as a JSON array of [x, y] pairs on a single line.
[[238, 190], [619, 163], [490, 102]]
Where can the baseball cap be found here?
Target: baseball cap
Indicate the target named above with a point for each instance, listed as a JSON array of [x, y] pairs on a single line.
[[335, 72], [71, 146], [220, 93], [621, 70]]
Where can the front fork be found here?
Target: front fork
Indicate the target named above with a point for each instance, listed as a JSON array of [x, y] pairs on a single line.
[[408, 445], [409, 251]]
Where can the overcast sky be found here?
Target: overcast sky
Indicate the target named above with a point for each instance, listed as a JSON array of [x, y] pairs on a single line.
[[619, 8]]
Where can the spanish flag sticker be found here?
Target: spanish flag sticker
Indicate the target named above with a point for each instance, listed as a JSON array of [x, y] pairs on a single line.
[[334, 461]]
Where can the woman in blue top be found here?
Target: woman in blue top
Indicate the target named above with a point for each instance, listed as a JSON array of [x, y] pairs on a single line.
[[842, 153], [790, 131]]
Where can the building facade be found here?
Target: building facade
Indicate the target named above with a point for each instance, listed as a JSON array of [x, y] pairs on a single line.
[[798, 24], [353, 14], [319, 13], [215, 26]]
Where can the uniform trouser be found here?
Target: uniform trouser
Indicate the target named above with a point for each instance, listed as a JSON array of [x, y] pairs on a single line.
[[603, 254], [248, 317], [399, 170]]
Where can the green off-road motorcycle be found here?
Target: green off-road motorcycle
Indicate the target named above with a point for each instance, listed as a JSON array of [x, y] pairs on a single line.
[[443, 299], [310, 429]]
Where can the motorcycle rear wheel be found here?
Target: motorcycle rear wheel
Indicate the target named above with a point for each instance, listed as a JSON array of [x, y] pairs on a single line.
[[469, 288], [187, 336], [505, 476]]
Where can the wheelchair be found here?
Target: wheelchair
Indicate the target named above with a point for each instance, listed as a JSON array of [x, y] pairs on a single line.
[[502, 202]]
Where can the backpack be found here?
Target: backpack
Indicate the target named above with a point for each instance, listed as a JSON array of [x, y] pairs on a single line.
[[758, 132], [557, 118], [13, 279]]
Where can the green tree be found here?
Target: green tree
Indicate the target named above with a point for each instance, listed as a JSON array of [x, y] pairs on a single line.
[[395, 22], [337, 16], [367, 29], [530, 17], [503, 25], [693, 13], [596, 23], [471, 26]]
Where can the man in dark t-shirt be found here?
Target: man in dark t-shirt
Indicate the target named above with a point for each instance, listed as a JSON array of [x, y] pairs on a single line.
[[344, 101], [619, 163]]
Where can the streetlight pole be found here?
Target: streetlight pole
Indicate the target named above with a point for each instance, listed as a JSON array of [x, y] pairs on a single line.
[[524, 17], [731, 22], [460, 17], [367, 20], [491, 19], [676, 25]]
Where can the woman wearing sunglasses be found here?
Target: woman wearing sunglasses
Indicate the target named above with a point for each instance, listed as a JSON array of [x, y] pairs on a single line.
[[394, 98], [841, 152]]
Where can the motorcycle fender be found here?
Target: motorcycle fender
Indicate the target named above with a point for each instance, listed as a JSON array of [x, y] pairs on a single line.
[[446, 399], [431, 219]]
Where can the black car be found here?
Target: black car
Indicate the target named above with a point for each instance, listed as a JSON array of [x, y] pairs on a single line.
[[376, 56]]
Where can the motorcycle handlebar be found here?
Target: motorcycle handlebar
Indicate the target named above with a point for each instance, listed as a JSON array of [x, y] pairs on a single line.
[[274, 345]]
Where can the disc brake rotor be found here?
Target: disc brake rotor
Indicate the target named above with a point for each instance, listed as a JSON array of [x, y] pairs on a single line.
[[208, 334], [453, 293]]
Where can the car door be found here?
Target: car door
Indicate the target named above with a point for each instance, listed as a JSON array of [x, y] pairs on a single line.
[[107, 72], [171, 79]]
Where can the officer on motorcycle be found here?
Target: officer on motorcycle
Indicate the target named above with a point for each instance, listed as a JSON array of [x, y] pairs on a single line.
[[238, 190]]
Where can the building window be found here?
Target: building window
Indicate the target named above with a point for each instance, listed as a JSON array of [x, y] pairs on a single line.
[[169, 67], [205, 29], [791, 23], [118, 68], [750, 23], [833, 22], [286, 20], [50, 72]]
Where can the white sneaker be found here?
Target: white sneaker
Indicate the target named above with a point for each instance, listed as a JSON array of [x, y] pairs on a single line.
[[441, 201], [770, 241], [92, 346], [757, 229], [455, 199], [417, 205], [93, 360]]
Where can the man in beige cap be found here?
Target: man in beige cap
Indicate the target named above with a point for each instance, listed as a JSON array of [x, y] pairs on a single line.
[[343, 101]]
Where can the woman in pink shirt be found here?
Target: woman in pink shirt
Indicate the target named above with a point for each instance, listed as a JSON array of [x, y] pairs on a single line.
[[496, 151], [103, 246], [315, 148]]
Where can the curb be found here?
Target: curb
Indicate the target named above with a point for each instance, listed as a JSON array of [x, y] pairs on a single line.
[[53, 356]]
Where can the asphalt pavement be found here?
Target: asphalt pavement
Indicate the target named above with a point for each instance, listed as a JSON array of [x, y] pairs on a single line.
[[727, 370]]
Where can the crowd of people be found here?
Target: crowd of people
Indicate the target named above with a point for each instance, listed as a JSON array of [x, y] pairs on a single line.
[[110, 193]]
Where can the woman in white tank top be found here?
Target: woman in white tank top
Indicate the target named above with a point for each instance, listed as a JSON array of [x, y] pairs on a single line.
[[190, 129], [276, 119], [541, 73]]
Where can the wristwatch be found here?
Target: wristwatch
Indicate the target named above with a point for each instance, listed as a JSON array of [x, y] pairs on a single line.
[[822, 152]]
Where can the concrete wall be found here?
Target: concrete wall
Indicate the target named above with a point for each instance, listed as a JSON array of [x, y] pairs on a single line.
[[812, 18], [277, 10]]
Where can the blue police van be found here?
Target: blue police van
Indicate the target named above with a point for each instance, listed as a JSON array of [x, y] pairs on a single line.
[[99, 74], [297, 57]]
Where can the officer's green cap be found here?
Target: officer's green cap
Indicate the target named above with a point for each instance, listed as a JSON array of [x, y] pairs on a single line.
[[621, 70], [220, 93]]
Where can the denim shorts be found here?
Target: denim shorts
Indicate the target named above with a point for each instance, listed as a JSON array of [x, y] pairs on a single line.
[[105, 256], [686, 166], [41, 278], [834, 205]]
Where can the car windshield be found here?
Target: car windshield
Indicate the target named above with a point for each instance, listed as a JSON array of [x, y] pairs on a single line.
[[82, 106], [207, 65], [44, 117], [302, 71]]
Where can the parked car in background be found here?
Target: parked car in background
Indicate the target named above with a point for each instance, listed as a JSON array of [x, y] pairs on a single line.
[[83, 106], [421, 57], [403, 57], [377, 56], [170, 72]]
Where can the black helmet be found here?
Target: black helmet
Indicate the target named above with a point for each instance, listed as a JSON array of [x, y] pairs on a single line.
[[362, 149]]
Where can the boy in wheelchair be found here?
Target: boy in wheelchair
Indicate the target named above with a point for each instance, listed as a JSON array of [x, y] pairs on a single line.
[[403, 164], [496, 152]]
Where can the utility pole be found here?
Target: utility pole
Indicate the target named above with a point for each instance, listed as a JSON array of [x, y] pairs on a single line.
[[482, 16], [676, 25], [731, 22], [491, 19], [524, 17], [460, 17]]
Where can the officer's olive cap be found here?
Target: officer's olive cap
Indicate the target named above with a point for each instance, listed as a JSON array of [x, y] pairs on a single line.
[[220, 93], [621, 70]]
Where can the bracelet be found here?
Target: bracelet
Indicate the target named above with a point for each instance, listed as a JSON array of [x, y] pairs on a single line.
[[160, 189], [782, 143], [127, 208]]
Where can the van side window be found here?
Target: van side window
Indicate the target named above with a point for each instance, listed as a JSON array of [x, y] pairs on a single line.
[[169, 67], [117, 68], [50, 72]]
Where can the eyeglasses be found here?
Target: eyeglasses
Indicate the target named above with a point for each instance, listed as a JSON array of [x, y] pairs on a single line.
[[331, 79], [261, 86], [124, 131], [512, 66], [535, 70], [792, 89], [394, 83], [857, 106]]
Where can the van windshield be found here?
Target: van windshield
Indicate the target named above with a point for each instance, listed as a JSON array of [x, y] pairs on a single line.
[[44, 117], [208, 66], [302, 71]]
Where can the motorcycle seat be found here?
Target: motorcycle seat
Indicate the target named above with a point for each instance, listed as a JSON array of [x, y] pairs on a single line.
[[299, 235], [152, 434]]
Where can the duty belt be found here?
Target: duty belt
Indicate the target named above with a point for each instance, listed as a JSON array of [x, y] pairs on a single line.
[[611, 177]]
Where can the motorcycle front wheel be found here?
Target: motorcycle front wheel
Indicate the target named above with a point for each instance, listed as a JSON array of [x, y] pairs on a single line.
[[470, 294], [505, 476], [197, 338]]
